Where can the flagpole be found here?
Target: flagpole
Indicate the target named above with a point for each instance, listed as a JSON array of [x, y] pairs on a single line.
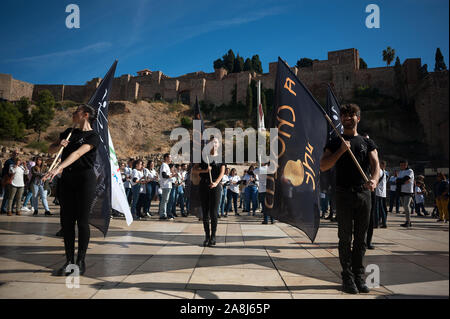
[[210, 176], [59, 152], [329, 120]]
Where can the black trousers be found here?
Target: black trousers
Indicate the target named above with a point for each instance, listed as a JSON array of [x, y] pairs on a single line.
[[371, 219], [77, 194], [210, 199], [353, 213]]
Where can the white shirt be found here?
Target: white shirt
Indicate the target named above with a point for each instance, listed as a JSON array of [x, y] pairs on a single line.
[[138, 175], [261, 173], [127, 171], [380, 191], [224, 179], [393, 186], [165, 182], [409, 186], [247, 179], [18, 172], [234, 187], [150, 174], [419, 197]]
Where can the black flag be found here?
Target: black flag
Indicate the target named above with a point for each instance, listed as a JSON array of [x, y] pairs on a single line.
[[100, 213], [292, 194], [334, 112]]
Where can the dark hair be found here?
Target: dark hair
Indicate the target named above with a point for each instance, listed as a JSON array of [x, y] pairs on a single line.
[[350, 109], [166, 156], [404, 161], [136, 162], [91, 111], [148, 163]]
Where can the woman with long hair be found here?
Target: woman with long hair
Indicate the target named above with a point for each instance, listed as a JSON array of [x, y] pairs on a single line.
[[210, 192], [78, 182], [37, 187]]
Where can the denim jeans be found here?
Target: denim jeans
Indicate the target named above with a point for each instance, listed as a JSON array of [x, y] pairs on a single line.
[[28, 196], [135, 190], [172, 204], [180, 199], [150, 193], [324, 204], [251, 195], [129, 194], [406, 201], [38, 190], [379, 212], [393, 197], [163, 204], [223, 198], [233, 197]]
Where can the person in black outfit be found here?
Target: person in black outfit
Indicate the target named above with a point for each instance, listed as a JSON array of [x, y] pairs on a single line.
[[210, 192], [78, 182], [353, 201]]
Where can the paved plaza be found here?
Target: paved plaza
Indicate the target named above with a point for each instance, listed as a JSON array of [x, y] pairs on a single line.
[[165, 259]]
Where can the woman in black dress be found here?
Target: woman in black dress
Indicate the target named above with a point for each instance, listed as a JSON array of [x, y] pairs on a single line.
[[78, 182], [210, 192]]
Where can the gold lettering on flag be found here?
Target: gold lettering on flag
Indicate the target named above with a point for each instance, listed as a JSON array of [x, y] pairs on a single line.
[[288, 85]]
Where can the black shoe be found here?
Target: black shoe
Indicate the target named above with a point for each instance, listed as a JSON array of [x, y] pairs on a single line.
[[272, 221], [212, 241], [62, 271], [383, 226], [218, 216], [35, 213], [329, 217], [162, 218], [370, 246], [206, 241], [349, 286], [406, 225], [420, 214], [361, 285], [47, 213], [237, 214], [82, 267], [265, 222], [60, 233]]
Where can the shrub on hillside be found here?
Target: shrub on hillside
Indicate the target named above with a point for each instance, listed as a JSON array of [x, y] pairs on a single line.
[[186, 122]]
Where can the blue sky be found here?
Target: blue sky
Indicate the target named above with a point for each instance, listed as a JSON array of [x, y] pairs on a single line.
[[179, 37]]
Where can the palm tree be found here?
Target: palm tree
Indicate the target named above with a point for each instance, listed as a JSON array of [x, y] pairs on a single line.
[[388, 55]]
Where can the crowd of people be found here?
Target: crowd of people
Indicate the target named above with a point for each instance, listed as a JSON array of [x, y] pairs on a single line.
[[22, 185], [398, 187], [170, 183]]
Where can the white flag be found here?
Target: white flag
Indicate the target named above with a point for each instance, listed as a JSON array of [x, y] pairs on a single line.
[[118, 197]]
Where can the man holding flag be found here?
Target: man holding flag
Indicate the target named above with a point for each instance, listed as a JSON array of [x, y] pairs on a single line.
[[352, 194]]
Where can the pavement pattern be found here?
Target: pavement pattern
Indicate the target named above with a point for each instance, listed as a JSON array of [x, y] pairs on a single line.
[[166, 259]]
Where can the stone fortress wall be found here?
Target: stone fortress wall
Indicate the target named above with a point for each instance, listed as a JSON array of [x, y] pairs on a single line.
[[341, 70]]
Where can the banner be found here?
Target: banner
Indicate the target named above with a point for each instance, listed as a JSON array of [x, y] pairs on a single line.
[[292, 194], [334, 112], [119, 198], [100, 212]]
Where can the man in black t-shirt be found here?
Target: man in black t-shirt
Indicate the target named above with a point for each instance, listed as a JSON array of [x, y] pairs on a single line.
[[353, 201]]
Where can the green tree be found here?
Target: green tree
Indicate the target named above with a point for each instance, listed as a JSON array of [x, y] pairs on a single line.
[[238, 64], [24, 108], [10, 121], [248, 65], [388, 55], [249, 102], [228, 61], [440, 64], [218, 64], [256, 64], [42, 115], [304, 63], [362, 64]]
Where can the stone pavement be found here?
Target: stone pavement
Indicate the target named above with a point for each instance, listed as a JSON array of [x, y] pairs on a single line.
[[165, 259]]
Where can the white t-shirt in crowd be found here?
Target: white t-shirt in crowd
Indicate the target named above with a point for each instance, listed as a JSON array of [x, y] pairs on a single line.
[[165, 182], [380, 191], [150, 174], [127, 171], [261, 173], [247, 179], [234, 187], [393, 186], [18, 172], [225, 179], [138, 175], [418, 197], [409, 186]]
